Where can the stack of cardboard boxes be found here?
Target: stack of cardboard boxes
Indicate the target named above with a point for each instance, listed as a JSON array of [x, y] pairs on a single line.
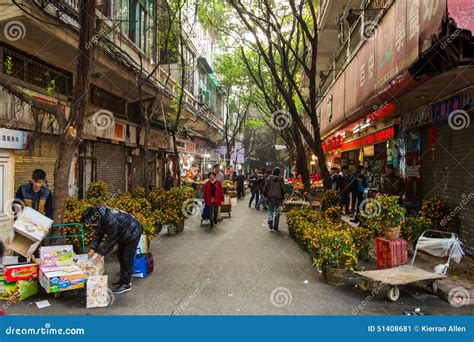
[[57, 271]]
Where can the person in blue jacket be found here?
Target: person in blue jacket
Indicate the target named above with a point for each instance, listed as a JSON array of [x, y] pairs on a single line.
[[121, 228], [36, 195]]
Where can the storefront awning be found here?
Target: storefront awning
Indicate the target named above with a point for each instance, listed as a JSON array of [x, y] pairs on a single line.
[[213, 81]]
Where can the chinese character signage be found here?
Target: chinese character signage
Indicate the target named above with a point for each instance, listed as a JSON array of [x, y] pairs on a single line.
[[12, 139]]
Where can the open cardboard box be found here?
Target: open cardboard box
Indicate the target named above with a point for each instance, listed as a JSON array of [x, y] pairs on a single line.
[[23, 245]]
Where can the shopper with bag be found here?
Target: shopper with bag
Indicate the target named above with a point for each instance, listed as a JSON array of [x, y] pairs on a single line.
[[121, 228], [213, 196], [274, 190]]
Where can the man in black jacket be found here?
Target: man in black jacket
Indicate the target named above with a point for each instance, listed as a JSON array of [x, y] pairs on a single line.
[[122, 229], [274, 190]]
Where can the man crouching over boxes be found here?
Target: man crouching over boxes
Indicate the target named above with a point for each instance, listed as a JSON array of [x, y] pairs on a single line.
[[122, 229]]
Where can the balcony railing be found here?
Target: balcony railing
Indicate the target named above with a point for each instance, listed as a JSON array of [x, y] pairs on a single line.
[[352, 43]]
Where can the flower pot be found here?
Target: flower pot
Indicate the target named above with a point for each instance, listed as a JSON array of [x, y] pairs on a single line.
[[174, 228], [335, 275], [391, 233]]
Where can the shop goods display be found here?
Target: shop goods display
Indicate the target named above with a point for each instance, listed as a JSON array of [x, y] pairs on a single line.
[[15, 291], [57, 279], [56, 256]]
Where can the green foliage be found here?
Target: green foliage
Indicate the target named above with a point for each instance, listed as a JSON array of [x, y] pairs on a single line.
[[437, 210], [414, 227], [51, 89], [8, 65], [330, 198], [383, 212]]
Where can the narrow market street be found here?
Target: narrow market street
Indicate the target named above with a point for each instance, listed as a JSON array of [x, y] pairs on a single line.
[[234, 270]]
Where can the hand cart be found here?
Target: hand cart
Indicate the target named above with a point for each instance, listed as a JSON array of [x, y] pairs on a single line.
[[69, 225], [446, 245]]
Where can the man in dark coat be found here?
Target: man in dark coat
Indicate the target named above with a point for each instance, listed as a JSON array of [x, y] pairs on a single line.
[[274, 190], [121, 228], [391, 184], [36, 195]]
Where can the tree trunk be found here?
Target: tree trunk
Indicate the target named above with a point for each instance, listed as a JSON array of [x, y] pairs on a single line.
[[177, 168], [301, 159], [71, 136]]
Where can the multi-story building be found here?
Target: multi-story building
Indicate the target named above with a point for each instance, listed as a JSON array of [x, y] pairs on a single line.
[[396, 83], [38, 49]]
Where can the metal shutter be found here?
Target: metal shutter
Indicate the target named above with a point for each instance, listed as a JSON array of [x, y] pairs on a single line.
[[110, 165], [42, 156], [450, 174]]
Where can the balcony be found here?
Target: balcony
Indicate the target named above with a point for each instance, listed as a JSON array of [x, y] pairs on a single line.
[[373, 11]]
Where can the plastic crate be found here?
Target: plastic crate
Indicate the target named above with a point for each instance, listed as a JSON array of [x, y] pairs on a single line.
[[390, 253]]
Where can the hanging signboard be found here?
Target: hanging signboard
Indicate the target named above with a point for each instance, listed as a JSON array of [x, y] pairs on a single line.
[[13, 139], [374, 138]]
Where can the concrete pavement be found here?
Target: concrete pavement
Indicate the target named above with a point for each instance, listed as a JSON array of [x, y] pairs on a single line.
[[238, 268]]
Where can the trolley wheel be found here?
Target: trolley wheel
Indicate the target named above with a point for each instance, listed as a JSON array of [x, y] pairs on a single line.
[[434, 286], [393, 293], [364, 285]]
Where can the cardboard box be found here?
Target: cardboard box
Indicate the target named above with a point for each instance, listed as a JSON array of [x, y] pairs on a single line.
[[87, 265], [56, 256], [32, 224], [17, 290], [98, 295], [23, 245], [21, 272], [57, 279]]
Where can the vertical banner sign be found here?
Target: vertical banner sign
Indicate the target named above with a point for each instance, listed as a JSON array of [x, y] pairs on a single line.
[[401, 36], [431, 15], [386, 68], [365, 70]]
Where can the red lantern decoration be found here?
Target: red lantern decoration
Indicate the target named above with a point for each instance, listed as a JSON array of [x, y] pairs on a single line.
[[432, 135]]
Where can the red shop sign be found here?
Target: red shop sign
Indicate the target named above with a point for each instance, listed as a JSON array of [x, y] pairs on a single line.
[[374, 138]]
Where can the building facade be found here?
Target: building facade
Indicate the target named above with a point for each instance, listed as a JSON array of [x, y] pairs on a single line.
[[38, 50], [396, 87]]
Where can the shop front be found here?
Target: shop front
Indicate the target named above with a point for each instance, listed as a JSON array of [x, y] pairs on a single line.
[[10, 141], [374, 151]]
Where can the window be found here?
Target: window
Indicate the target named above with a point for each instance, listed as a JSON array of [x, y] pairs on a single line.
[[143, 25], [121, 13], [34, 71], [190, 65]]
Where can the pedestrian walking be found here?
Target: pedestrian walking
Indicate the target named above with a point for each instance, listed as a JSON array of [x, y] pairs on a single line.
[[343, 188], [220, 177], [120, 228], [275, 192], [334, 178], [254, 188], [358, 183], [169, 181], [391, 184], [240, 183], [213, 197], [35, 194], [263, 199]]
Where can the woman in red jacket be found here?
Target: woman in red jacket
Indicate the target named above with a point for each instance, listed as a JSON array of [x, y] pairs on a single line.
[[213, 196]]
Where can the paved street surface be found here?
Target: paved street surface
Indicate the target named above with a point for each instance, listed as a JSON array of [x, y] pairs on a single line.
[[239, 268]]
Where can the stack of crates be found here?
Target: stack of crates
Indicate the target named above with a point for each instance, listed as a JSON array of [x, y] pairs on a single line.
[[390, 253]]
